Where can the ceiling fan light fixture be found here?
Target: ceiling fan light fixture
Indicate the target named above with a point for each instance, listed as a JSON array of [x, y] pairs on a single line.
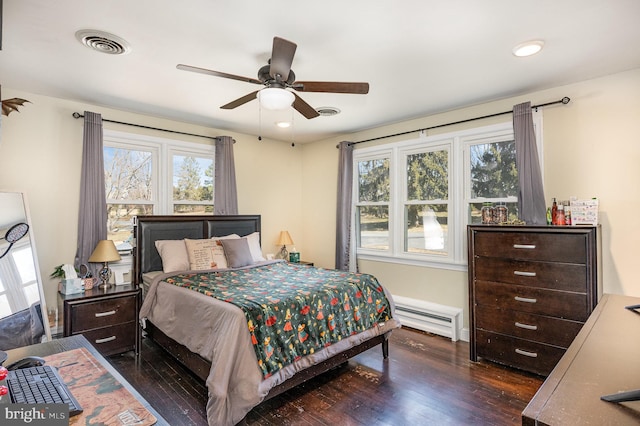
[[275, 98], [528, 48], [283, 124]]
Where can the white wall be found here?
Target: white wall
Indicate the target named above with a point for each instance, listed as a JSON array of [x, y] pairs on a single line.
[[41, 152], [591, 149]]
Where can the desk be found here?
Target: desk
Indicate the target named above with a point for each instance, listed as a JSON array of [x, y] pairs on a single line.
[[603, 359], [58, 346]]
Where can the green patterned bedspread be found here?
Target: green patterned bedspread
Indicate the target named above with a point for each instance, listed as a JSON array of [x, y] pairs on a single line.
[[294, 310]]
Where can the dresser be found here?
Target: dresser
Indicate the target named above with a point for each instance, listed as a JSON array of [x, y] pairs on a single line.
[[531, 289], [108, 318]]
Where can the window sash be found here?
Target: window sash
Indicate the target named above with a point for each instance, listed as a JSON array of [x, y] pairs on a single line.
[[162, 151]]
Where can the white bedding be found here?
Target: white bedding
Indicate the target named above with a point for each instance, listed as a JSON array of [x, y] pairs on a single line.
[[217, 331]]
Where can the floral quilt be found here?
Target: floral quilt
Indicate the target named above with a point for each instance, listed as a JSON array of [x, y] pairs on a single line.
[[293, 310]]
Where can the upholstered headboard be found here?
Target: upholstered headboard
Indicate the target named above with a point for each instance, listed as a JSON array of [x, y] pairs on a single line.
[[149, 229]]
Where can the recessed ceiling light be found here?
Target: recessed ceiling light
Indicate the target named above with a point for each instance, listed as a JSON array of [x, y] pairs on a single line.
[[327, 111], [103, 42], [283, 124], [528, 48]]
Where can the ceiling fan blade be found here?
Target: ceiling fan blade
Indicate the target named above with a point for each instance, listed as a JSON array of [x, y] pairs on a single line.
[[304, 108], [281, 58], [240, 101], [331, 87], [217, 73]]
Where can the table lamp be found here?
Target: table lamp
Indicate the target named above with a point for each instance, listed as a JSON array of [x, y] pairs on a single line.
[[283, 240], [105, 252]]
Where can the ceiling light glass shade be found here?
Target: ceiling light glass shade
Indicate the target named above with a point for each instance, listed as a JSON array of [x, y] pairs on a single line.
[[275, 98], [528, 48]]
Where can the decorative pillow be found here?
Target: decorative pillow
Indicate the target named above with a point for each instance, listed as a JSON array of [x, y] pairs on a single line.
[[237, 252], [205, 254], [254, 247], [173, 254]]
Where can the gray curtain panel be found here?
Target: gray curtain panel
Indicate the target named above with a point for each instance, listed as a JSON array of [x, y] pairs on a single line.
[[92, 219], [225, 192], [343, 213], [531, 200]]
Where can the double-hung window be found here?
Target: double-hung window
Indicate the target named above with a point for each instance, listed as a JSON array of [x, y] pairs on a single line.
[[414, 199], [147, 175]]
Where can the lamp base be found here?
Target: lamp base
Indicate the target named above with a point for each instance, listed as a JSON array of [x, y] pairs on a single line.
[[284, 254], [105, 275]]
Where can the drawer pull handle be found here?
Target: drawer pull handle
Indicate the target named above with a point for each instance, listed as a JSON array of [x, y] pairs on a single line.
[[526, 326], [525, 299], [524, 246], [109, 339], [524, 273], [526, 353], [105, 314]]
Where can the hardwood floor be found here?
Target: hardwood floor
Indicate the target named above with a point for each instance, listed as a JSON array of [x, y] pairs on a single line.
[[427, 379]]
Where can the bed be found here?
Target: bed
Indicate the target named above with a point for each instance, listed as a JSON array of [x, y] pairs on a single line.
[[194, 314]]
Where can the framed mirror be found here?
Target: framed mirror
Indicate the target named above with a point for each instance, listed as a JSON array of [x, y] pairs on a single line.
[[21, 293]]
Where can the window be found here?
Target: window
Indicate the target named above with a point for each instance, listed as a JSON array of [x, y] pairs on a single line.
[[414, 199], [145, 175]]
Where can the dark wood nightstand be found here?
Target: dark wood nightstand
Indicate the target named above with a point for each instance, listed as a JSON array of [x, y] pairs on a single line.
[[107, 318], [304, 262]]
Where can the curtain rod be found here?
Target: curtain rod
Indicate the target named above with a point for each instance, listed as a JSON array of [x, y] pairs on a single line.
[[78, 115], [564, 101]]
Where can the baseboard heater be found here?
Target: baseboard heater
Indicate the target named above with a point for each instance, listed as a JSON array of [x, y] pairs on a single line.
[[431, 317]]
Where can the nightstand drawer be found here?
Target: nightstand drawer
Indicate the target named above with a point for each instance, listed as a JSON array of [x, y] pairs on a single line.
[[102, 313], [111, 340]]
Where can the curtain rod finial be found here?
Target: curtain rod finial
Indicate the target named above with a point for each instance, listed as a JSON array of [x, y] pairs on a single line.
[[566, 100], [76, 115]]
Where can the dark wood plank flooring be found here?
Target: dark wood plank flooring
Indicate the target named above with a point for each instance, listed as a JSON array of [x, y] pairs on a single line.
[[427, 379]]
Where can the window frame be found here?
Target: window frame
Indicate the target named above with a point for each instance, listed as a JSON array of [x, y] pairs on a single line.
[[459, 199], [162, 152]]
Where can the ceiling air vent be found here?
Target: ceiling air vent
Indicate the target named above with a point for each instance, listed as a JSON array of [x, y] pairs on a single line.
[[103, 42], [328, 111]]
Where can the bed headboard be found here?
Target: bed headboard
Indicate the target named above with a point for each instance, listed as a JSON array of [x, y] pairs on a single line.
[[148, 229]]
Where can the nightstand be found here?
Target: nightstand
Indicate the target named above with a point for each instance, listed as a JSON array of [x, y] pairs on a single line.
[[108, 318], [304, 262]]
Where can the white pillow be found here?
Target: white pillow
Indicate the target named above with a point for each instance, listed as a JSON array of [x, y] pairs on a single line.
[[173, 254], [254, 247], [205, 254]]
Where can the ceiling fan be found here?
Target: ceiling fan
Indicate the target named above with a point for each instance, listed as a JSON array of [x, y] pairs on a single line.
[[279, 76]]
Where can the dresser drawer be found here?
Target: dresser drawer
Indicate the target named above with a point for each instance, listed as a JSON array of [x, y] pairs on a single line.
[[519, 353], [534, 300], [558, 276], [536, 328], [114, 339], [564, 248], [102, 313]]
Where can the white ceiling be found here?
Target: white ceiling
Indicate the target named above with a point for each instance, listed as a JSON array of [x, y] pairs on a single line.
[[419, 56]]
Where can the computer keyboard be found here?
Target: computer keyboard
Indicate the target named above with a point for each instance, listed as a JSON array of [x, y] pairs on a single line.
[[40, 385]]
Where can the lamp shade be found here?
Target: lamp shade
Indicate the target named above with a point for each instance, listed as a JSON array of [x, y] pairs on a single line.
[[284, 238], [275, 98], [105, 251]]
